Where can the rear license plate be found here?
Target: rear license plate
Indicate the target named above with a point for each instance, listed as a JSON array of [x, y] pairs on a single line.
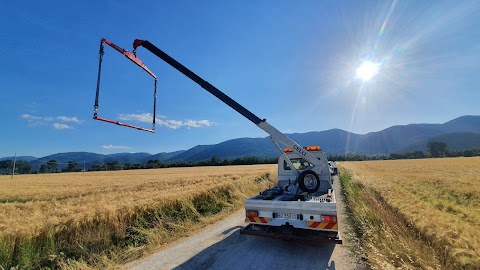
[[286, 216]]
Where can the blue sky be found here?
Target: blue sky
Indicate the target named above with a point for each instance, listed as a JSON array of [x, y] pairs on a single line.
[[292, 62]]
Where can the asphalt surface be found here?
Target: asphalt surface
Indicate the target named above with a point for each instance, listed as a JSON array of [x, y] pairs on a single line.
[[220, 246]]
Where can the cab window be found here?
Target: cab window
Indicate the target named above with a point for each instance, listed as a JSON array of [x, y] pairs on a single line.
[[298, 163]]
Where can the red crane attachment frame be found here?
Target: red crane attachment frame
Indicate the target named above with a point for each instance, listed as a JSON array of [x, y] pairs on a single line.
[[139, 63]]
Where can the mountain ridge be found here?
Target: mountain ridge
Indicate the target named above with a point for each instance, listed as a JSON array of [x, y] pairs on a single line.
[[461, 133]]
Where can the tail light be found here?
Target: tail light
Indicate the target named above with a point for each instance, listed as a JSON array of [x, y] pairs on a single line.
[[252, 213], [330, 219]]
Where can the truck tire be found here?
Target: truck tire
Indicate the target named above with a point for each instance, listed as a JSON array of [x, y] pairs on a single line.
[[309, 181]]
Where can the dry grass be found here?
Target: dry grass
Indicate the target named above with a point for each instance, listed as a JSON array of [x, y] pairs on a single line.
[[438, 200], [104, 205]]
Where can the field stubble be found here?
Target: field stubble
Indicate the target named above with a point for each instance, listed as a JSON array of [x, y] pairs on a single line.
[[437, 201], [100, 219]]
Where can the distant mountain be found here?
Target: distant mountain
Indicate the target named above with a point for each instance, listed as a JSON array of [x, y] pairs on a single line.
[[127, 157], [459, 134], [62, 159], [244, 147], [397, 138], [456, 133], [73, 156], [186, 156], [163, 156], [24, 158], [467, 123], [457, 141]]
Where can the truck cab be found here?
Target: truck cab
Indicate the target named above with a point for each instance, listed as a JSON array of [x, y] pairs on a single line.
[[287, 176]]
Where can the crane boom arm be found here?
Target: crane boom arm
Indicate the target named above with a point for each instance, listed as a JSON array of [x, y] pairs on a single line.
[[272, 131]]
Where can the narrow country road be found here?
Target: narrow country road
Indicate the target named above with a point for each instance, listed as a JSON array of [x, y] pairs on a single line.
[[220, 246]]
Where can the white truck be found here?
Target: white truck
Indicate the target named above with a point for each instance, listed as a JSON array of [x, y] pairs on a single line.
[[302, 206]]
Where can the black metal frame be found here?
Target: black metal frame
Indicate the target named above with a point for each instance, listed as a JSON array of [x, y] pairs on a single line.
[[139, 63]]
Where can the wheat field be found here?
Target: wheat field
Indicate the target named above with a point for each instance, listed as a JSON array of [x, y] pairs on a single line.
[[438, 198], [66, 203]]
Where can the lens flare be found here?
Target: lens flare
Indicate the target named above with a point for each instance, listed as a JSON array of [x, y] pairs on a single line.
[[367, 70]]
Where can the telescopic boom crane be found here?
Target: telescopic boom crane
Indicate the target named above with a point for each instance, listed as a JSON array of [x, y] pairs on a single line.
[[308, 180], [275, 134]]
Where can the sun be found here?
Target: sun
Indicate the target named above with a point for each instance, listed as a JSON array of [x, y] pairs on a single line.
[[367, 70]]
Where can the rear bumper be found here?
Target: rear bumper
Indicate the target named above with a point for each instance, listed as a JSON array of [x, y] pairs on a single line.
[[291, 233]]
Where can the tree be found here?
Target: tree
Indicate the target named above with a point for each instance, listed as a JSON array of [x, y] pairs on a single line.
[[113, 166], [71, 167], [396, 156], [23, 167], [6, 166], [97, 167], [127, 166], [43, 168], [468, 153], [52, 165], [418, 154], [437, 149], [153, 164], [215, 161]]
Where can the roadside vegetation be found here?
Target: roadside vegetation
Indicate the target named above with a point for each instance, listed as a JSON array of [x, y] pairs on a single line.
[[416, 214], [104, 219]]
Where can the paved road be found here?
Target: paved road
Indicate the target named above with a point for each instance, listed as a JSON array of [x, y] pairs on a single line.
[[220, 246]]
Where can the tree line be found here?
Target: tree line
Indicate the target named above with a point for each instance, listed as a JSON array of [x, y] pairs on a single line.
[[21, 167], [434, 150], [25, 167], [155, 164]]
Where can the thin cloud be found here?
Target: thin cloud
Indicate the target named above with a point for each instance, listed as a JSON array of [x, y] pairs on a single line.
[[173, 124], [115, 147], [143, 117], [69, 119], [31, 118], [61, 126], [197, 124], [45, 120]]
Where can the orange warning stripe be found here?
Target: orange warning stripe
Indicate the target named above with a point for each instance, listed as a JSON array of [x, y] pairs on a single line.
[[257, 219], [323, 225]]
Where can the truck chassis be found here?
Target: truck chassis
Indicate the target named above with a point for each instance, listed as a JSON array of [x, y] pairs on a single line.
[[288, 232]]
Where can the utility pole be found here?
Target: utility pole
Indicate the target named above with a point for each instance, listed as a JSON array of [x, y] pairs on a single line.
[[14, 161]]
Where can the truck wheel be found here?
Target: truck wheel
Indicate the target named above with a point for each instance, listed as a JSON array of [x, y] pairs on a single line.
[[309, 181]]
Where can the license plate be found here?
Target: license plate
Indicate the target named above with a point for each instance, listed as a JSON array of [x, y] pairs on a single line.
[[286, 216]]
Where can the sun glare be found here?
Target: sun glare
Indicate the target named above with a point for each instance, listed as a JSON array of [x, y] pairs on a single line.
[[367, 70]]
